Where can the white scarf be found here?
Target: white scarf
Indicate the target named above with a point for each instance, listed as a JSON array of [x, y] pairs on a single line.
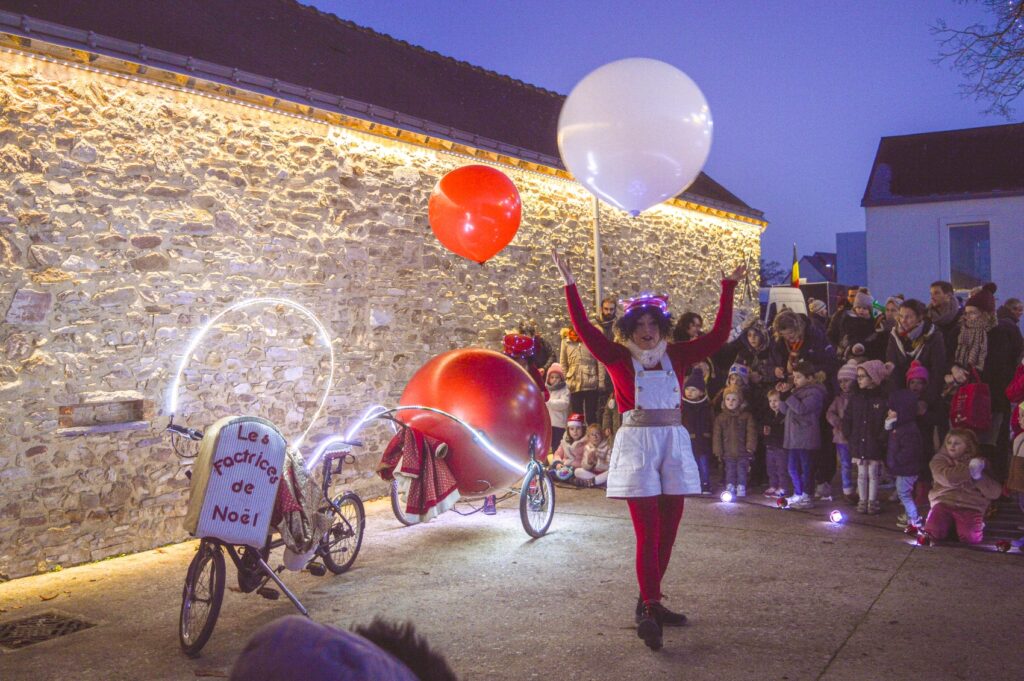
[[649, 359]]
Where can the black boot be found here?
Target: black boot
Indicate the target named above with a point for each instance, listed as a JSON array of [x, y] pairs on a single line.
[[648, 628], [665, 617]]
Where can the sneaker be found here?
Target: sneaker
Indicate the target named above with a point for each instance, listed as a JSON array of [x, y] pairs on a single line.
[[823, 491], [874, 508], [771, 492], [780, 493], [741, 490], [862, 506], [648, 628], [902, 520], [730, 488], [793, 499], [705, 491], [803, 501]]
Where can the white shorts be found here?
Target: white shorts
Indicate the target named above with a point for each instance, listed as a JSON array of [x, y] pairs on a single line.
[[652, 460]]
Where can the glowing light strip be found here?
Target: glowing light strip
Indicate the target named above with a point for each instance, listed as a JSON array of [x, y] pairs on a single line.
[[376, 411], [172, 403], [371, 412]]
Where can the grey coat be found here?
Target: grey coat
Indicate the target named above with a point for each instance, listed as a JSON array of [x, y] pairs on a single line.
[[803, 411]]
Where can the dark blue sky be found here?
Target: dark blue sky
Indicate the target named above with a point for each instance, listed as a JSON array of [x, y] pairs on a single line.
[[800, 90]]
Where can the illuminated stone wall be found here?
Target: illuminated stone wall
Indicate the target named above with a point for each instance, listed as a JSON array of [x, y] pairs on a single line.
[[129, 214]]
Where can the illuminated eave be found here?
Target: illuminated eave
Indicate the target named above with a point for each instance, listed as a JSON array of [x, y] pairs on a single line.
[[103, 54]]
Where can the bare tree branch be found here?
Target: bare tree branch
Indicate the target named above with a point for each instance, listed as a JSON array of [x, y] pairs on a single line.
[[989, 57]]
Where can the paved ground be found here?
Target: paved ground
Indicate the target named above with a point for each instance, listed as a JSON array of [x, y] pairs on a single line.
[[771, 594]]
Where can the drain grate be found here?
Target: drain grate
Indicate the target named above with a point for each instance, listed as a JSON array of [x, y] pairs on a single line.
[[39, 628]]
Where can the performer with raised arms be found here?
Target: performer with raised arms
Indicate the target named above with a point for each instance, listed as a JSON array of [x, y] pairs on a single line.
[[652, 464]]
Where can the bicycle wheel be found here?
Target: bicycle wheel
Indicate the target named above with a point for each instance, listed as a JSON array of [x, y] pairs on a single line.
[[536, 502], [201, 598], [398, 508], [340, 546]]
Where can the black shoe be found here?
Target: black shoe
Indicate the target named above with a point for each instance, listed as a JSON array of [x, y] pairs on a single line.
[[648, 628], [665, 617]]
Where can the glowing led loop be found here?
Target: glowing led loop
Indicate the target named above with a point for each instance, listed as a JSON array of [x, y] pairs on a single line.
[[172, 398]]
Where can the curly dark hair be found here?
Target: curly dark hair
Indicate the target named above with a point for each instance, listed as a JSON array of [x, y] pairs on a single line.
[[402, 641], [626, 324], [681, 333]]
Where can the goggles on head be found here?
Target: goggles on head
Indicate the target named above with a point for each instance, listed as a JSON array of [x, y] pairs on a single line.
[[658, 301]]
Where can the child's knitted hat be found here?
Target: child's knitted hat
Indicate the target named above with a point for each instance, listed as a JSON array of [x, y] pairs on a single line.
[[918, 371], [847, 372], [877, 370], [696, 380], [742, 370]]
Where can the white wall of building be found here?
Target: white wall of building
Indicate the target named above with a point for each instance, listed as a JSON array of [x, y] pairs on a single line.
[[908, 245]]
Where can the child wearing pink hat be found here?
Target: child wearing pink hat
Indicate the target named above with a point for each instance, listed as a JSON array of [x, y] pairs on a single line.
[[847, 377]]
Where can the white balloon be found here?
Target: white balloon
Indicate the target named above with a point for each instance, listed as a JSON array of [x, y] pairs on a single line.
[[635, 132]]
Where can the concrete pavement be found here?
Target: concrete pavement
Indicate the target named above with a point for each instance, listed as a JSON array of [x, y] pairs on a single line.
[[771, 594]]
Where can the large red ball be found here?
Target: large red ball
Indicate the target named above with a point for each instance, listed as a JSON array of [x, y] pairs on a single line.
[[490, 392]]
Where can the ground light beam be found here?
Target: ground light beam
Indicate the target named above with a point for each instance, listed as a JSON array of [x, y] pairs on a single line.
[[172, 399]]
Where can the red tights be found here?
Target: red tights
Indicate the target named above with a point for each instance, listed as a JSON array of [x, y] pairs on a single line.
[[655, 522]]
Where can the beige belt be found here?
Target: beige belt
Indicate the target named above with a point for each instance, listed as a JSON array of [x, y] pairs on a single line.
[[648, 418]]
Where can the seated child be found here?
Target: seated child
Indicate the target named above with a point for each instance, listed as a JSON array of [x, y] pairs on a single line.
[[569, 454], [961, 492], [698, 419], [776, 459], [734, 440], [597, 454]]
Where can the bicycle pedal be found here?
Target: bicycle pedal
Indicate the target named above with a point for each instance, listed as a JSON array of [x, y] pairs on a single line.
[[316, 569], [269, 593]]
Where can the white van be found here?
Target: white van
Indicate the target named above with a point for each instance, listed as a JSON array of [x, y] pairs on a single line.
[[780, 298]]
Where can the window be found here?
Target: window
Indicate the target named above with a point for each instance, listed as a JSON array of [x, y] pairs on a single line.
[[970, 256]]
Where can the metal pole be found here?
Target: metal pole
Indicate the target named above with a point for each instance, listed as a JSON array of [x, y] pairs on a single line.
[[597, 255]]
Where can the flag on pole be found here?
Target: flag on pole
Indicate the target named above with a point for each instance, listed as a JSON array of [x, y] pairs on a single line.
[[794, 278]]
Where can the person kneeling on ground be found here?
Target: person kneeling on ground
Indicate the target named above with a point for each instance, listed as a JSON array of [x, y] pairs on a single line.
[[961, 491]]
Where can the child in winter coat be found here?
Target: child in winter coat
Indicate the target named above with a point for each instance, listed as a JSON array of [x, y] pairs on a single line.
[[593, 470], [864, 428], [773, 426], [803, 407], [735, 439], [961, 492], [558, 402], [847, 379], [1015, 483], [569, 454], [738, 378], [698, 419], [905, 453]]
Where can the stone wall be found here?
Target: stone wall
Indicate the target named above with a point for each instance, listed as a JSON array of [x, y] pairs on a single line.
[[130, 214]]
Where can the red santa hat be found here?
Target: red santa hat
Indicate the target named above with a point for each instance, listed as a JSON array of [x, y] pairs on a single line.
[[576, 420], [519, 346]]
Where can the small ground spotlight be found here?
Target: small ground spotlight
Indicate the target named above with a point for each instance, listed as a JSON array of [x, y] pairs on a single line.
[[836, 516], [726, 496]]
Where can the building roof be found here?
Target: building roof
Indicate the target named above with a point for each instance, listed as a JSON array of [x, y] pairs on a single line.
[[300, 45], [947, 166], [823, 263]]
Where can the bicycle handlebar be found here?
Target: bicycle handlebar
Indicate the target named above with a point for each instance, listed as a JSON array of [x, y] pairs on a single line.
[[190, 433]]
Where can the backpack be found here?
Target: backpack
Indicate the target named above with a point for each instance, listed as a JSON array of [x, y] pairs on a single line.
[[972, 405]]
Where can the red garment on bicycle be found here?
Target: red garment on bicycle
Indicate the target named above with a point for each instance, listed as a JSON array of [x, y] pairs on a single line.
[[412, 457]]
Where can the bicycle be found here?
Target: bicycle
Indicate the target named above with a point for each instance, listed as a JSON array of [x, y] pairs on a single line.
[[203, 592]]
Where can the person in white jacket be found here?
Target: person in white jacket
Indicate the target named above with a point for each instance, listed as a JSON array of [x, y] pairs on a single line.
[[558, 403]]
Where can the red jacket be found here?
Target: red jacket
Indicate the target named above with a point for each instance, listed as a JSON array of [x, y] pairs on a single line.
[[619, 362]]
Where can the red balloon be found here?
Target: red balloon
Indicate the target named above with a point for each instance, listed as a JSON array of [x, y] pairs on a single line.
[[475, 212], [491, 393]]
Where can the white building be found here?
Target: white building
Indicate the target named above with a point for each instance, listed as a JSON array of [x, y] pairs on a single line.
[[947, 206]]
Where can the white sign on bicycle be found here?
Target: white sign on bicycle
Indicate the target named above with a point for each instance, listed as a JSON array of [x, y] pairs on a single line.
[[244, 471]]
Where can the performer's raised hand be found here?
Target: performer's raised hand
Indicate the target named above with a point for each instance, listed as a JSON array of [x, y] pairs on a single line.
[[738, 273], [563, 266]]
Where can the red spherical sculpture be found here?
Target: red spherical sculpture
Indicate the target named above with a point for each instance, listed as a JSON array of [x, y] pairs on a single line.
[[492, 394]]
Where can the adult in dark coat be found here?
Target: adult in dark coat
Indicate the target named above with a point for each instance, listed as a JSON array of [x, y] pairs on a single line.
[[945, 312], [1007, 318], [915, 338], [989, 347], [796, 340]]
